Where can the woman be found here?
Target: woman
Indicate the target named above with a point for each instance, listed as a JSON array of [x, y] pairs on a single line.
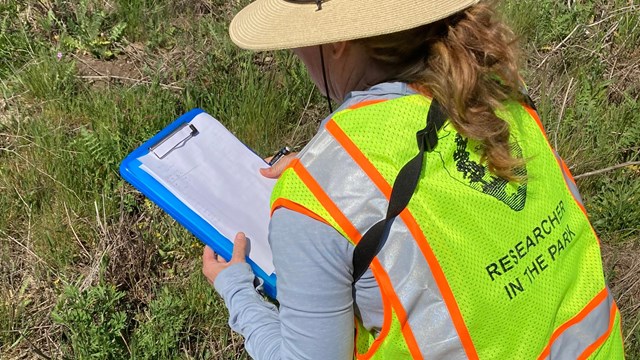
[[472, 241]]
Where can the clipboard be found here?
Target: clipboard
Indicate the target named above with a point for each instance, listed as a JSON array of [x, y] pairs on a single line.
[[168, 141]]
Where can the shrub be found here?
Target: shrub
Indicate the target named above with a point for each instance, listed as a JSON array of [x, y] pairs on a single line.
[[93, 322]]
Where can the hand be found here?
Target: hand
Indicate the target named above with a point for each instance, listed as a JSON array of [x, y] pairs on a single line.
[[274, 171], [213, 264]]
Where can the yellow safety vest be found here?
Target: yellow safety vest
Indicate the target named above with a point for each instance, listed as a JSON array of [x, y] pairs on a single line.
[[475, 267]]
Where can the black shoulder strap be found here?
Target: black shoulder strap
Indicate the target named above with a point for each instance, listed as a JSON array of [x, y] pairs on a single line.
[[403, 189]]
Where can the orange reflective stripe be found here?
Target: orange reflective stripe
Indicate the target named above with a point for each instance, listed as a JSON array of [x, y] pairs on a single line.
[[355, 236], [358, 157], [612, 319], [597, 300], [563, 166], [362, 104], [443, 284], [378, 273], [325, 201], [416, 232], [536, 117], [288, 204], [387, 288], [566, 171]]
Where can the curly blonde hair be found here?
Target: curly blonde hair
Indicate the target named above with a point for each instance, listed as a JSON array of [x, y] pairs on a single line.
[[468, 62]]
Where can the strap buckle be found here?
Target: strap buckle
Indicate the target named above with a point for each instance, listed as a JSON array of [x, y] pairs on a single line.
[[428, 138]]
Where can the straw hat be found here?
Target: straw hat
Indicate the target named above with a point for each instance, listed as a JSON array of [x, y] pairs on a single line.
[[287, 24]]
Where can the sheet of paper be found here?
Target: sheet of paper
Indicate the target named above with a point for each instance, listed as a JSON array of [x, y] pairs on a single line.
[[217, 176]]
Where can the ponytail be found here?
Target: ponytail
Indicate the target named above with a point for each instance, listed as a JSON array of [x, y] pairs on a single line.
[[468, 63]]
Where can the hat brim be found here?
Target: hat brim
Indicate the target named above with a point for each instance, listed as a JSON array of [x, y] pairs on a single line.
[[280, 24]]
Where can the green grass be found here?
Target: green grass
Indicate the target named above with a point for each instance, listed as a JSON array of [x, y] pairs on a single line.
[[89, 268]]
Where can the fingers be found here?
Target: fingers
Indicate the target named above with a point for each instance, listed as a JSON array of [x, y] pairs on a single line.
[[213, 264], [274, 171], [239, 248], [208, 255]]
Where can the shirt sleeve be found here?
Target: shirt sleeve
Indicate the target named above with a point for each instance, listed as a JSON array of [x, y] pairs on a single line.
[[315, 318]]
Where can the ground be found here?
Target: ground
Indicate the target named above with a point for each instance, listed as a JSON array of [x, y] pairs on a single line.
[[90, 268]]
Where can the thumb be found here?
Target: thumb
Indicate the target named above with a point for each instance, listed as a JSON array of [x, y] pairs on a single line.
[[271, 172], [276, 170], [239, 248]]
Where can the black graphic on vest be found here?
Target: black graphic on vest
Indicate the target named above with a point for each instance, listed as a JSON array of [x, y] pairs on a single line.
[[480, 178]]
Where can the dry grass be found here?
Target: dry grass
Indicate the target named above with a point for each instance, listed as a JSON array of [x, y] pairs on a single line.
[[70, 221]]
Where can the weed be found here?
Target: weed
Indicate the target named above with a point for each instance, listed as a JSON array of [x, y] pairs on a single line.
[[93, 322], [148, 20], [611, 208], [184, 317], [159, 335], [85, 26], [544, 22], [13, 308], [49, 78]]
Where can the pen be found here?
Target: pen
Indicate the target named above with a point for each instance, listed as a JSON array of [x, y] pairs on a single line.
[[282, 152]]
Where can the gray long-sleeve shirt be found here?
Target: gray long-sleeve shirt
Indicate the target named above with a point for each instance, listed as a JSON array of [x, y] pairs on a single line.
[[314, 266]]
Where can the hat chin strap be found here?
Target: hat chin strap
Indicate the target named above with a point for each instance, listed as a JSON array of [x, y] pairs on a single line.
[[324, 77]]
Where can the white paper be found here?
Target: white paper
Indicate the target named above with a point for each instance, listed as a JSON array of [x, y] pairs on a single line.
[[217, 176]]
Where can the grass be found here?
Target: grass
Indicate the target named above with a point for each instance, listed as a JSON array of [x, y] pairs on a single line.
[[89, 268]]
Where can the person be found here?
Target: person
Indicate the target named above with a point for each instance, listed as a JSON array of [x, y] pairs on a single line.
[[429, 216]]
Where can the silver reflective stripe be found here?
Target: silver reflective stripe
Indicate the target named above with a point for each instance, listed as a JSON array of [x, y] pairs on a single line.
[[344, 184], [567, 179], [417, 289], [393, 91], [575, 339], [364, 204]]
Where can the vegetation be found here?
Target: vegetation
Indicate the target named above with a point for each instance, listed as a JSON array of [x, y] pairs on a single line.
[[90, 269]]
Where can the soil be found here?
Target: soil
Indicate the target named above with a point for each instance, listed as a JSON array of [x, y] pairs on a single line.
[[100, 73]]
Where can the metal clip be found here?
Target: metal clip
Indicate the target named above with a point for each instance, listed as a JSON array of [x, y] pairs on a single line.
[[176, 139]]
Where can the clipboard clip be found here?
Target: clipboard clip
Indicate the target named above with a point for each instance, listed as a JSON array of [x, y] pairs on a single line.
[[175, 140]]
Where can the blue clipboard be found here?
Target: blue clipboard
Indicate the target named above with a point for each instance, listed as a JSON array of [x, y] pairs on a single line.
[[131, 171]]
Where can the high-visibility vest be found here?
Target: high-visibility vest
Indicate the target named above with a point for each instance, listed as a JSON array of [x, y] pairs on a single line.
[[475, 267]]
